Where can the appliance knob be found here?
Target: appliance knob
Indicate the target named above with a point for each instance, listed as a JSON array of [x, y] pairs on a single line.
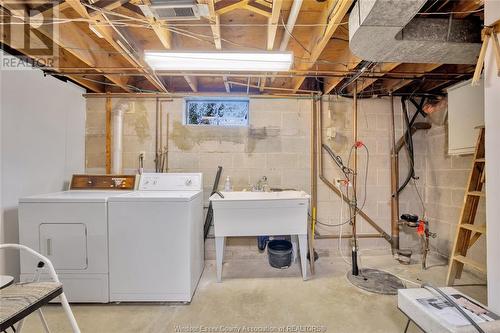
[[188, 181]]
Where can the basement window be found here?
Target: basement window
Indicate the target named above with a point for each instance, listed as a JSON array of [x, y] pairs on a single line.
[[217, 112]]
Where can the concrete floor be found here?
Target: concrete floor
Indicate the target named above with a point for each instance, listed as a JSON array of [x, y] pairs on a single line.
[[258, 297]]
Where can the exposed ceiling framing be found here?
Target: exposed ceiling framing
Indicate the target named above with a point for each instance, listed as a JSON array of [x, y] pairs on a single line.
[[100, 45]]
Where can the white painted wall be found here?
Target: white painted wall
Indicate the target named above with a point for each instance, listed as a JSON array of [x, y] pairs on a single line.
[[43, 143], [492, 123]]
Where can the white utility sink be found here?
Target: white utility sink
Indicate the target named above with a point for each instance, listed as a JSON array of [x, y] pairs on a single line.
[[245, 195], [239, 214]]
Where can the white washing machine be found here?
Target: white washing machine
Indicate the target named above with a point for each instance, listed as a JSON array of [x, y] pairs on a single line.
[[71, 229], [156, 248]]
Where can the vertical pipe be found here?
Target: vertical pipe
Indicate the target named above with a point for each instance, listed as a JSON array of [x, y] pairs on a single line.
[[108, 134], [157, 130], [117, 149], [394, 185], [160, 134], [290, 24], [165, 166], [354, 204], [314, 178]]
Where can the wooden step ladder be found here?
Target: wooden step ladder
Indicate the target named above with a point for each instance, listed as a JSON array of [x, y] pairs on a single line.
[[468, 232]]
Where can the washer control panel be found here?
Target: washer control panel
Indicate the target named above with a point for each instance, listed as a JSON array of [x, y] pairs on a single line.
[[171, 182]]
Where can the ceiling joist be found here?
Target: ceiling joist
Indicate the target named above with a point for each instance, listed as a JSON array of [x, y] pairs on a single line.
[[105, 50], [107, 32], [226, 6], [333, 16]]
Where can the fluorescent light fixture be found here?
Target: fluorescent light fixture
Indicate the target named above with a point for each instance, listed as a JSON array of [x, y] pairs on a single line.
[[219, 61]]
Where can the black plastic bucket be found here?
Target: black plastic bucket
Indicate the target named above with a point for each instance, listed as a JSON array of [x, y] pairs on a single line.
[[279, 253]]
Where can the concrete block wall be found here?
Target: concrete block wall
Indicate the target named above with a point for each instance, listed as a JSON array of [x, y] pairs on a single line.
[[447, 178], [277, 144], [374, 130]]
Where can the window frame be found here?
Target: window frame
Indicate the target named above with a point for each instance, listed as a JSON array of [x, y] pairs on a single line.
[[185, 117]]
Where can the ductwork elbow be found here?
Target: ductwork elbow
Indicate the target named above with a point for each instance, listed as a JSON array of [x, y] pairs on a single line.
[[387, 31]]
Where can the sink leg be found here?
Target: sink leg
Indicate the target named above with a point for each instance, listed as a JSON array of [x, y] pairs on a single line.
[[220, 243], [303, 255], [295, 247]]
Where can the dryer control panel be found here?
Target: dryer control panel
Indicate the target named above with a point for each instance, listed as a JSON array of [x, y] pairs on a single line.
[[102, 182], [171, 182]]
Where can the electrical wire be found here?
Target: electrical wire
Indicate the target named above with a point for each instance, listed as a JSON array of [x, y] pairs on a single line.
[[452, 302], [366, 172], [408, 139], [110, 84], [293, 37], [341, 217], [421, 200], [347, 174]]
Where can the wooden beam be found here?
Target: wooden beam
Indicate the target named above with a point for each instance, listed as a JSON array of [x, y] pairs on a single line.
[[225, 6], [226, 84], [262, 83], [338, 49], [108, 32], [273, 21], [465, 7], [78, 7], [87, 84], [163, 34], [62, 5], [272, 27], [214, 22], [384, 67], [192, 82], [108, 5], [215, 27], [265, 3], [165, 37], [64, 57], [396, 84], [258, 8], [76, 42], [333, 15]]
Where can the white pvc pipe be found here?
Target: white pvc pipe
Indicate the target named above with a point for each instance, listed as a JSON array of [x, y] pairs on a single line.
[[290, 24], [117, 138]]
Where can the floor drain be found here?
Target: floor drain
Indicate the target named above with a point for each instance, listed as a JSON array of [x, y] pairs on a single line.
[[376, 281]]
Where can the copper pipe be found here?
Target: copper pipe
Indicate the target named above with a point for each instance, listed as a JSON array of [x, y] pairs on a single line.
[[314, 179], [289, 73], [391, 76], [335, 236], [394, 184], [270, 88], [157, 122], [355, 161], [182, 95], [349, 236], [353, 207]]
